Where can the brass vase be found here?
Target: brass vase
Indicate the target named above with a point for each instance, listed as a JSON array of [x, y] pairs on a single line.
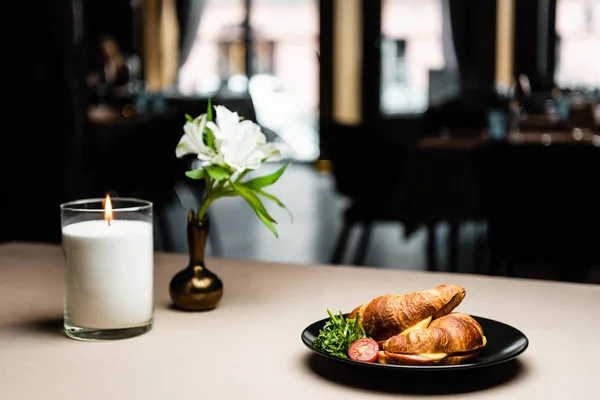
[[195, 288]]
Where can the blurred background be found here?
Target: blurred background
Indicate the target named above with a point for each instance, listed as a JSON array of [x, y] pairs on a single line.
[[451, 135]]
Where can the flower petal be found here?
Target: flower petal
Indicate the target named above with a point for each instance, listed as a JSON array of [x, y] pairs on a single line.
[[271, 152], [227, 122], [185, 146], [215, 130], [192, 141]]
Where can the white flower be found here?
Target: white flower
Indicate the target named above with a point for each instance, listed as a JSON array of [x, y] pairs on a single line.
[[241, 143], [192, 141], [272, 153], [226, 123], [236, 146]]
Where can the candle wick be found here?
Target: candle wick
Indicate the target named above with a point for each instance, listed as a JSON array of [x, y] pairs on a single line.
[[108, 220]]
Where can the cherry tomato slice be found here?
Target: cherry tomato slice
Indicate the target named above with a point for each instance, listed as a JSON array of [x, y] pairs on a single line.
[[365, 349]]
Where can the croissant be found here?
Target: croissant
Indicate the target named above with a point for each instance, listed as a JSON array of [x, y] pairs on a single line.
[[389, 315], [450, 339]]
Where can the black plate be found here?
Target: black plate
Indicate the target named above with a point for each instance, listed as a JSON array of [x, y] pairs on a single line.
[[503, 344]]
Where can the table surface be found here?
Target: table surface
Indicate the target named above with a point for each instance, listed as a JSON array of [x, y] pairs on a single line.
[[250, 346]]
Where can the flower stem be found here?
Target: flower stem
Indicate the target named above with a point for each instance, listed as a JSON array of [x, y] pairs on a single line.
[[240, 176], [208, 182], [209, 199], [204, 207]]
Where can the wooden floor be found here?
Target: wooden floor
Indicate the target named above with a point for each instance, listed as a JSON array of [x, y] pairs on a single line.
[[310, 237]]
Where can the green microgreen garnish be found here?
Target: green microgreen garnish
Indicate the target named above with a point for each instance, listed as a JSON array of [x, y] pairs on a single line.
[[338, 333]]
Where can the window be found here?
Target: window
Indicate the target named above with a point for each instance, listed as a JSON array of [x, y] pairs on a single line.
[[578, 43], [286, 96], [412, 50], [217, 53], [393, 60], [283, 79]]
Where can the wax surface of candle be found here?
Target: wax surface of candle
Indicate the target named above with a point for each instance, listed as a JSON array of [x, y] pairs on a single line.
[[109, 273]]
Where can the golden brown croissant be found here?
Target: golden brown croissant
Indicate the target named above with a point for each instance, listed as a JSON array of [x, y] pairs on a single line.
[[450, 339], [389, 315]]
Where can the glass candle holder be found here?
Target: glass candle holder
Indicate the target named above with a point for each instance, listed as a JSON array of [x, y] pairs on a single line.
[[109, 268]]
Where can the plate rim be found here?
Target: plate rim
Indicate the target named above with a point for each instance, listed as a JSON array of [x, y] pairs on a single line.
[[456, 367]]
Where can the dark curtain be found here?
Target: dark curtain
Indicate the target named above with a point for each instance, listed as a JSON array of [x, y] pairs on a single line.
[[535, 42], [189, 13], [447, 41], [473, 24], [474, 34], [43, 154]]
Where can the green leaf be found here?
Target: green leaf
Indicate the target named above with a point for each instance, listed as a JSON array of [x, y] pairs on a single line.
[[267, 223], [252, 199], [196, 174], [189, 118], [271, 197], [256, 205], [217, 172], [209, 110], [263, 181], [338, 333], [210, 136], [276, 201]]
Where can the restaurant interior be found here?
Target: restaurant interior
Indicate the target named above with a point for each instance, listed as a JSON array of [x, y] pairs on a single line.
[[423, 135], [301, 199]]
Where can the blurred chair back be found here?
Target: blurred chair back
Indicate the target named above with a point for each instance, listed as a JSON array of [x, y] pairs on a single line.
[[369, 172], [367, 168]]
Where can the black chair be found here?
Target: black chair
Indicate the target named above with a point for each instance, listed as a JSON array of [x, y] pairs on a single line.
[[368, 171], [541, 206]]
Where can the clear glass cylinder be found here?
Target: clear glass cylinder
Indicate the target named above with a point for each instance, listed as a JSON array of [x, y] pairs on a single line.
[[109, 268]]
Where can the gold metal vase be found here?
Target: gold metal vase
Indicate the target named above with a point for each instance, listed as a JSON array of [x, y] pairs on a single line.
[[195, 288]]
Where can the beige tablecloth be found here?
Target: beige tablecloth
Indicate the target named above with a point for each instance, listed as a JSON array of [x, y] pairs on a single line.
[[250, 347]]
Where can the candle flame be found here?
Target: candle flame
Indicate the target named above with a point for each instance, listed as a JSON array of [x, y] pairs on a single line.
[[108, 211]]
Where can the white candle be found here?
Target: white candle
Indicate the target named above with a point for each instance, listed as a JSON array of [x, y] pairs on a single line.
[[109, 273]]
